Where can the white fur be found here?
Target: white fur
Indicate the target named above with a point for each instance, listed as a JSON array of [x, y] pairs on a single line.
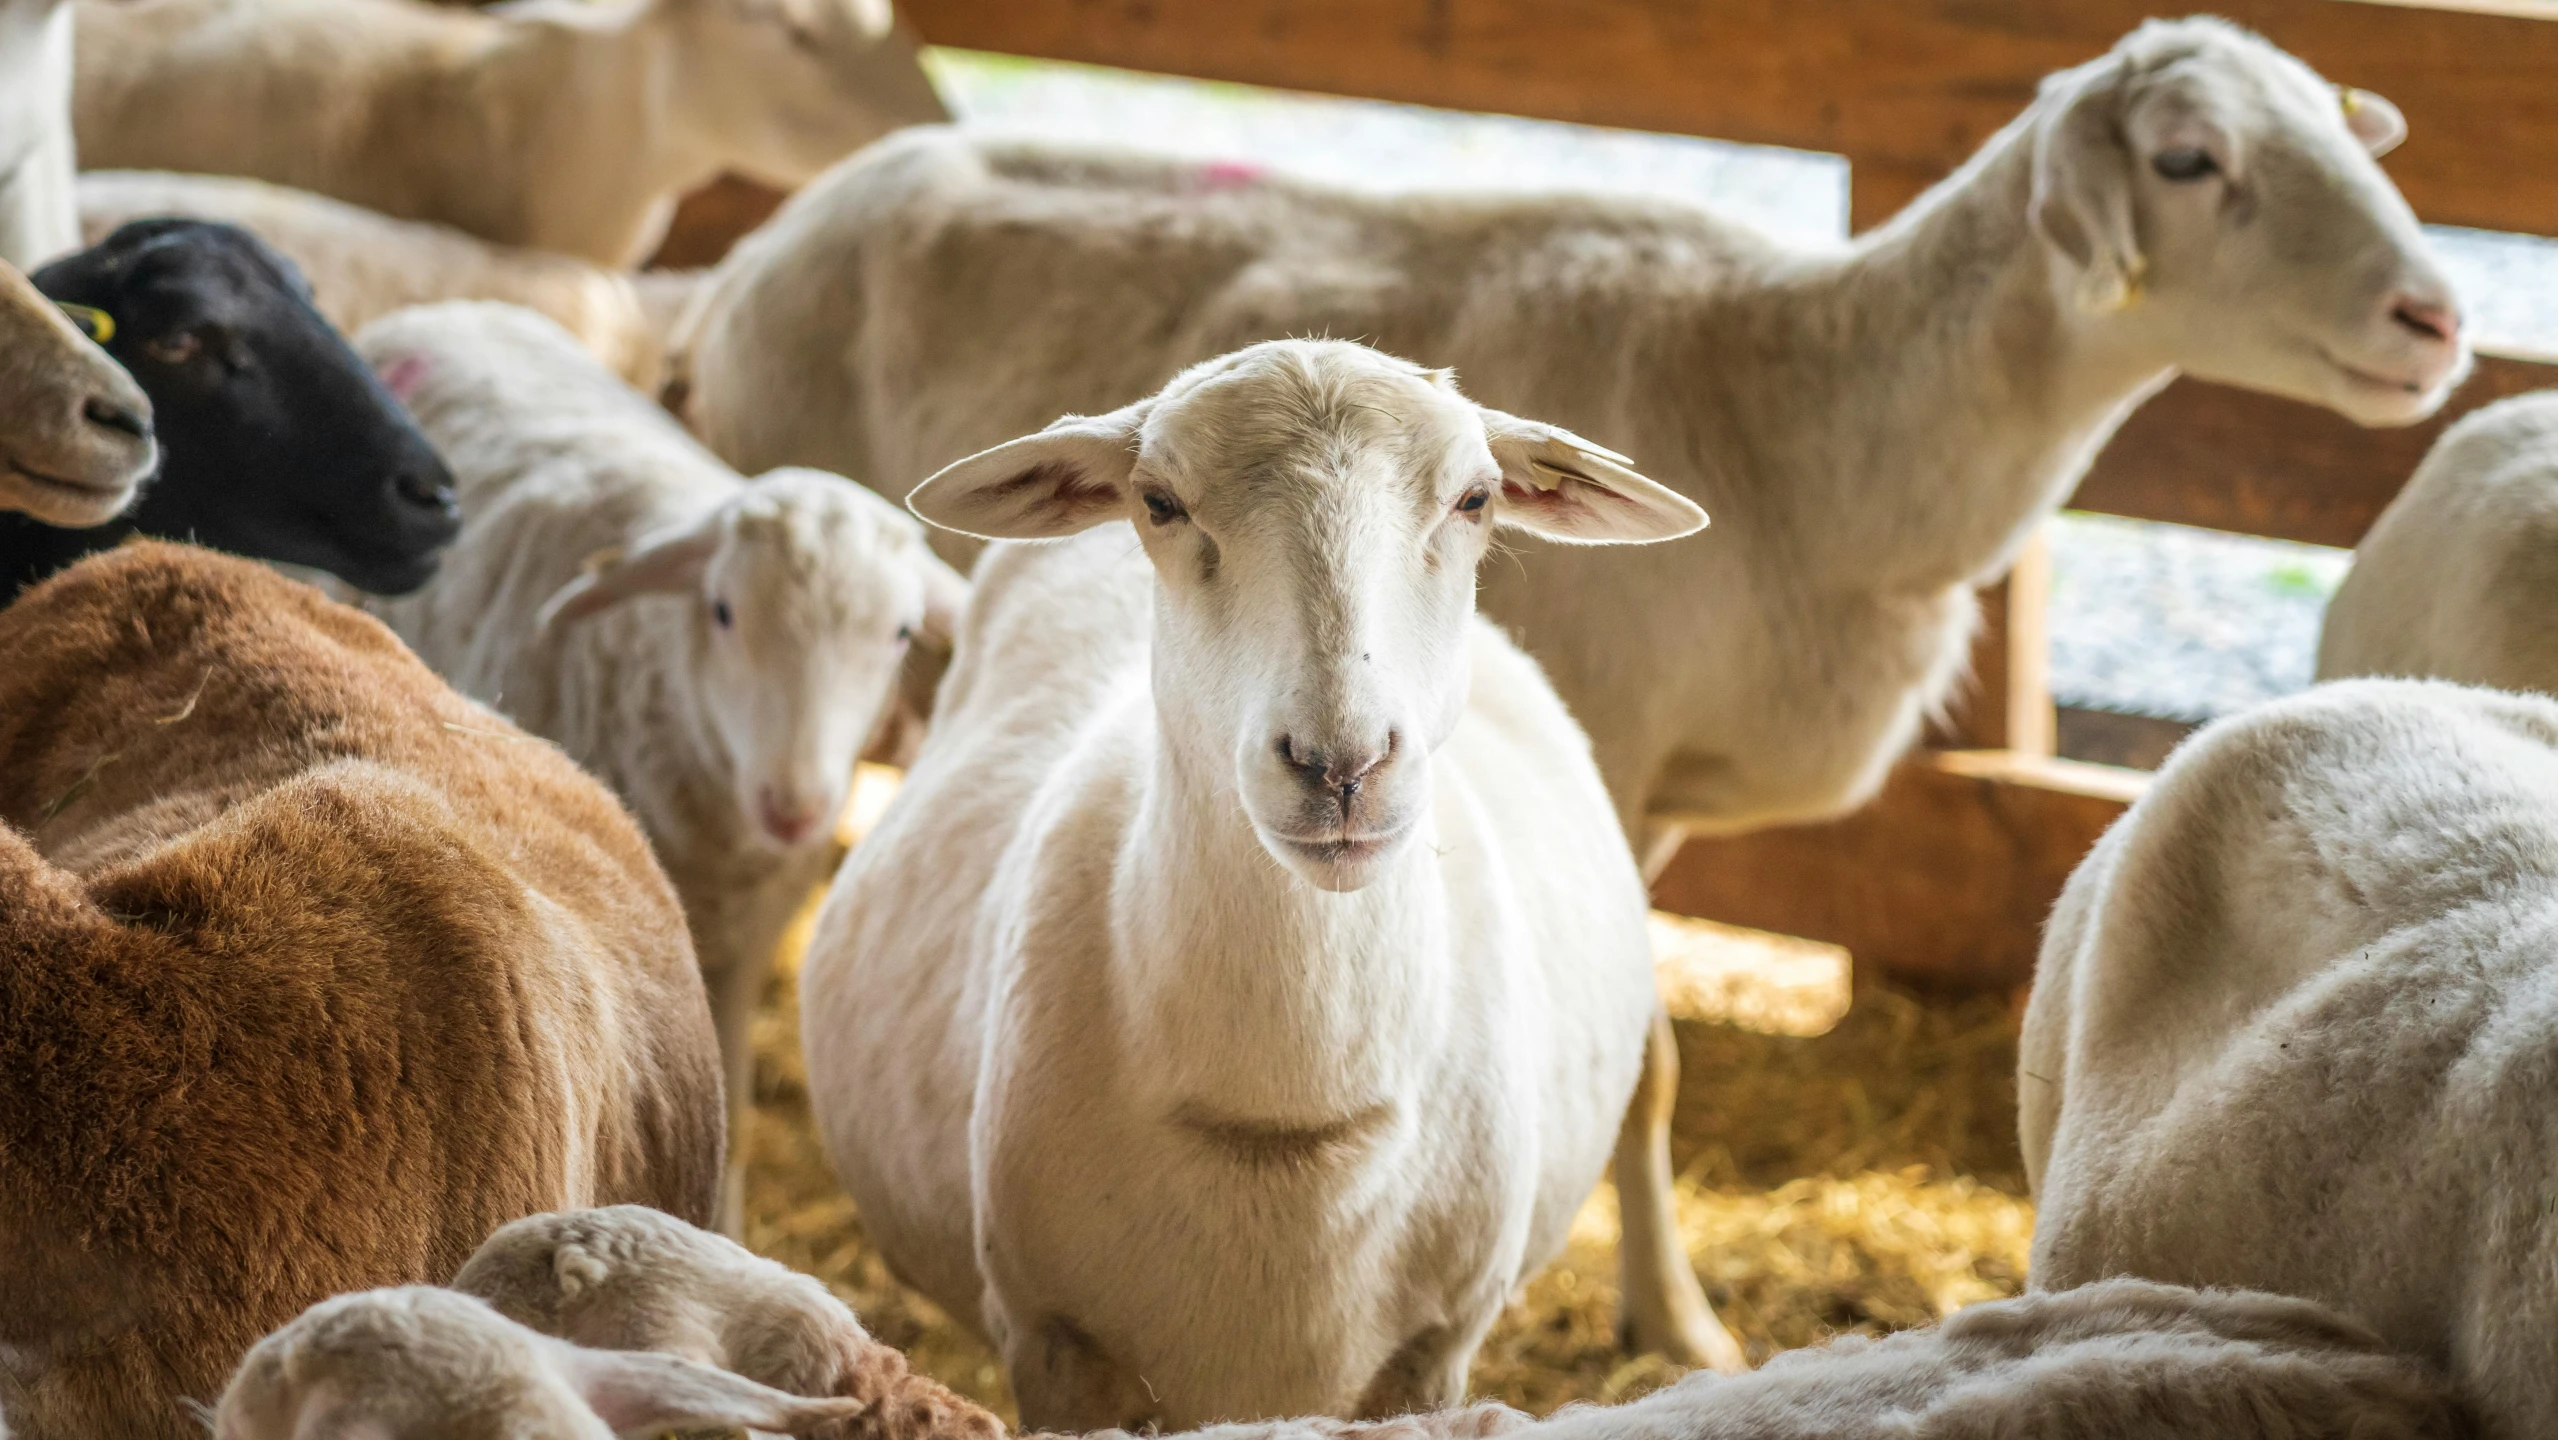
[[2291, 1029], [418, 1363], [363, 265], [2457, 580], [1204, 1086], [37, 222], [1875, 427], [599, 543], [561, 124]]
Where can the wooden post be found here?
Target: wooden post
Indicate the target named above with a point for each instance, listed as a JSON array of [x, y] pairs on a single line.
[[2007, 704]]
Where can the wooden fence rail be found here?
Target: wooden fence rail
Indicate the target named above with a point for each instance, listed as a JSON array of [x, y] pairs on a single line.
[[1948, 874]]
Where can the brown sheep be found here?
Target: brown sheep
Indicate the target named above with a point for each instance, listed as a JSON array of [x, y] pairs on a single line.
[[312, 973]]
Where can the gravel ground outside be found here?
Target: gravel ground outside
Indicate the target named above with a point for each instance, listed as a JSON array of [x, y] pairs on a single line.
[[2147, 619]]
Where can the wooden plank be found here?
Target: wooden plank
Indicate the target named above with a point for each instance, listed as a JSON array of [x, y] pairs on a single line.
[[2231, 460], [712, 219], [1904, 88], [2008, 703], [1945, 879]]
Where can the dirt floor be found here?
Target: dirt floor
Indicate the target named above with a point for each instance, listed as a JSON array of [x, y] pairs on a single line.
[[1865, 1180]]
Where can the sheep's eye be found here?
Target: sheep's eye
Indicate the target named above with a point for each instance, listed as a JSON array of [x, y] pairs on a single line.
[[905, 634], [721, 615], [2184, 164], [1473, 501], [1162, 508], [175, 349]]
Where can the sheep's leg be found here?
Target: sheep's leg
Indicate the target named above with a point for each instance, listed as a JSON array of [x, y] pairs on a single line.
[[735, 990], [1065, 1382], [1664, 1307], [1427, 1372]]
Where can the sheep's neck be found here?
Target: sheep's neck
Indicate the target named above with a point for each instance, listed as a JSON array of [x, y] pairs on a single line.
[[1964, 394], [613, 79], [1261, 1002]]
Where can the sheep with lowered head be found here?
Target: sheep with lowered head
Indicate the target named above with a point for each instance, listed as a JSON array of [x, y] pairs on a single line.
[[716, 649], [362, 265], [1240, 996], [2456, 579], [75, 430], [626, 1277], [564, 125], [419, 1363], [313, 972], [2291, 1029], [1877, 426]]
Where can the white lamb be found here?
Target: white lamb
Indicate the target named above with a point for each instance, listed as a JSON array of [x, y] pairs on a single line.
[[363, 265], [1880, 424], [37, 222], [418, 1363], [2292, 1030], [1240, 996], [562, 124], [713, 648], [2456, 580], [626, 1277]]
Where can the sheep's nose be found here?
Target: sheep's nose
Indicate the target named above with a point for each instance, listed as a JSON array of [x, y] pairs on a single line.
[[115, 415], [427, 490], [788, 821], [1340, 770], [2429, 319]]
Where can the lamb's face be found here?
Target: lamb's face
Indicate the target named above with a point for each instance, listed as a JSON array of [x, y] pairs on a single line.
[[2224, 202], [1314, 511], [807, 607], [1315, 517]]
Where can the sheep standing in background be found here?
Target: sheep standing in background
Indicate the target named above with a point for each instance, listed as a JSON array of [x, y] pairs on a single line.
[[362, 266], [426, 1364], [276, 441], [559, 124], [2291, 1029], [314, 973], [1878, 426], [715, 649], [37, 221], [1239, 998], [630, 1278], [75, 431], [2456, 579]]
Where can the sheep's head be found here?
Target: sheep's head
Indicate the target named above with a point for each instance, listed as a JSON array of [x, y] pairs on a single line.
[[781, 89], [424, 1364], [807, 591], [2217, 201], [1314, 511], [79, 431]]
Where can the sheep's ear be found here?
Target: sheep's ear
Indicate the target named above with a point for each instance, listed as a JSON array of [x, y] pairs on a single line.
[[945, 600], [669, 562], [1557, 485], [1069, 477], [2374, 121], [2082, 200], [643, 1394]]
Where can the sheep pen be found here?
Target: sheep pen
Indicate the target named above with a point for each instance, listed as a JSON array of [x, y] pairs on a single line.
[[1864, 1180]]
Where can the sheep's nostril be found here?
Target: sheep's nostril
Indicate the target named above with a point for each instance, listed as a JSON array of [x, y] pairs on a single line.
[[427, 492], [2421, 317], [108, 415]]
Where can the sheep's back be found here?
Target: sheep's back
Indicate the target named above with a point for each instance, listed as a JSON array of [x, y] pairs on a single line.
[[391, 972]]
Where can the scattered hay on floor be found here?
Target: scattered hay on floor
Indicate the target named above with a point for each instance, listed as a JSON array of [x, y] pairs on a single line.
[[1865, 1179]]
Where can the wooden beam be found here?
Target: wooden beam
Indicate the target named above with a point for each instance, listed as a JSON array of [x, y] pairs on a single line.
[[1945, 879], [2230, 460], [1905, 89], [712, 219]]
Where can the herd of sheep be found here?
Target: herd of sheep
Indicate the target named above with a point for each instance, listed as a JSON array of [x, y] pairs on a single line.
[[1250, 979]]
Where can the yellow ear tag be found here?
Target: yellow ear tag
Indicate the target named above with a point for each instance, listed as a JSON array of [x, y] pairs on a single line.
[[95, 323], [2349, 99]]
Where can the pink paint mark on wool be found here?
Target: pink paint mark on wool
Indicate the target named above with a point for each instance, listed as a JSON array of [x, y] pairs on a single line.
[[1231, 174], [405, 375]]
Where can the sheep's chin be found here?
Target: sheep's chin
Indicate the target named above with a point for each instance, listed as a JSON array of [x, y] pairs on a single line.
[[1339, 864]]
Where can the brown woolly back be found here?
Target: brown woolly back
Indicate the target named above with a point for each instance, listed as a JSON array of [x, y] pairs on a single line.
[[312, 973]]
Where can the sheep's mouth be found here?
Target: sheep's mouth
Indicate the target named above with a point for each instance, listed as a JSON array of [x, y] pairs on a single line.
[[1345, 848], [2370, 381], [79, 489]]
